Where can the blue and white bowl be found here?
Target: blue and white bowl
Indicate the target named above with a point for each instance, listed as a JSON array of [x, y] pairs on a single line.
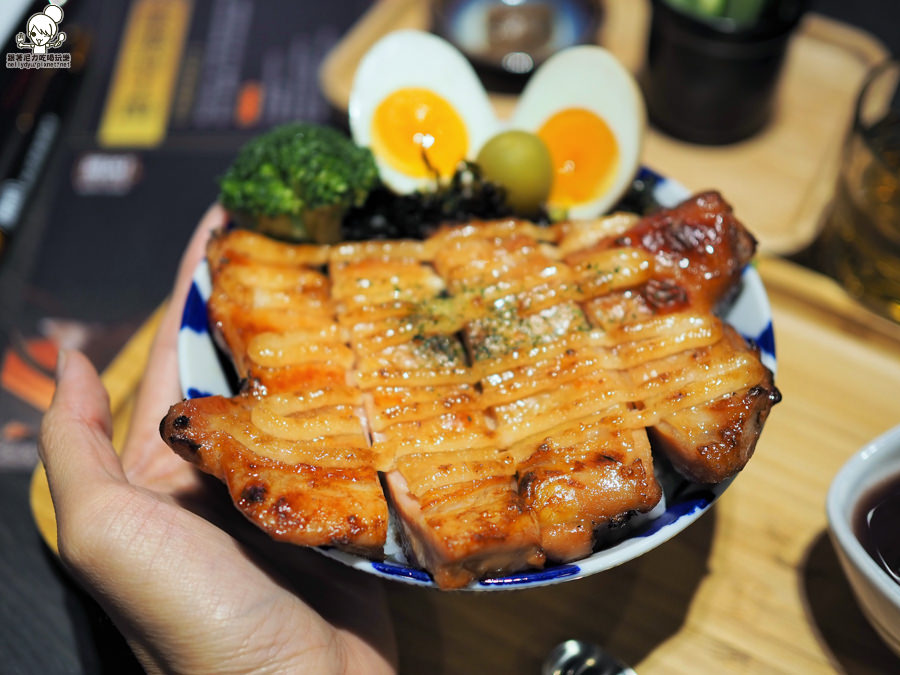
[[202, 374]]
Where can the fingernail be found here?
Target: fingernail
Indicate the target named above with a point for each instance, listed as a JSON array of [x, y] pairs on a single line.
[[60, 363]]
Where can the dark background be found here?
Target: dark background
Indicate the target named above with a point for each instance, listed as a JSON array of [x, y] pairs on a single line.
[[108, 262]]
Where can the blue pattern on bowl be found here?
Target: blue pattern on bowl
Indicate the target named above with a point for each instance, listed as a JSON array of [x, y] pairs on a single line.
[[195, 317], [676, 511], [549, 573], [400, 571], [766, 340], [646, 174]]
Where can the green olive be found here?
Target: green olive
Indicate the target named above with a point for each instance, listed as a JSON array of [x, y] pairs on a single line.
[[520, 162]]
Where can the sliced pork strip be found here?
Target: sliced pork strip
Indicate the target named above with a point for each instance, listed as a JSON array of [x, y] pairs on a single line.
[[305, 489], [461, 516]]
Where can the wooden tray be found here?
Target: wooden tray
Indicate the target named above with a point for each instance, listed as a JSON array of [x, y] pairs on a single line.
[[779, 181], [753, 586]]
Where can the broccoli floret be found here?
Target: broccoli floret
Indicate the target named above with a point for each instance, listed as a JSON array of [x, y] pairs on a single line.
[[297, 181]]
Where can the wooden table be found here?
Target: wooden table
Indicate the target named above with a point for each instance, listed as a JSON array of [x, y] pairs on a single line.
[[754, 586]]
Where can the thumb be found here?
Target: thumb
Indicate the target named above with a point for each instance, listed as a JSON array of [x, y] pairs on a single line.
[[159, 387], [75, 433]]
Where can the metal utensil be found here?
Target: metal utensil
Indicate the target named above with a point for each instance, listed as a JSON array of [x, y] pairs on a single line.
[[576, 657]]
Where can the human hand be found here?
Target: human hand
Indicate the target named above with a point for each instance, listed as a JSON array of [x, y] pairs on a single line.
[[187, 595]]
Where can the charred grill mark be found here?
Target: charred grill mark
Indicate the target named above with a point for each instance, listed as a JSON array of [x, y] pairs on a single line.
[[621, 519], [189, 445], [669, 234], [527, 483], [774, 393], [730, 436], [685, 237], [742, 242], [254, 494], [665, 294]]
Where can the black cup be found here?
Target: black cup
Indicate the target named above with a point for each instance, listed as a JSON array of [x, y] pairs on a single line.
[[713, 81]]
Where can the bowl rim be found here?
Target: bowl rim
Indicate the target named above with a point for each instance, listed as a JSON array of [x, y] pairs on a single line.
[[843, 495]]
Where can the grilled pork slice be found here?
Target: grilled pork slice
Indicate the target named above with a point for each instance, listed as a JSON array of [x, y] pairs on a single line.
[[298, 466], [699, 250], [453, 494], [713, 439], [585, 476], [544, 380], [461, 515], [271, 309], [579, 467]]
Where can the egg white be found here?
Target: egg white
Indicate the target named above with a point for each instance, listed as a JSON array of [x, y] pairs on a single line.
[[410, 58], [589, 77]]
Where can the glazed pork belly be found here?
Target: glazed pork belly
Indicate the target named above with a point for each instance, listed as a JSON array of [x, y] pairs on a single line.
[[711, 401], [452, 488], [297, 465], [293, 448], [271, 309], [502, 382], [546, 387]]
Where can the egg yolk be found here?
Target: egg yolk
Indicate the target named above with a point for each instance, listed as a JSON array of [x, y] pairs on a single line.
[[584, 153], [412, 121]]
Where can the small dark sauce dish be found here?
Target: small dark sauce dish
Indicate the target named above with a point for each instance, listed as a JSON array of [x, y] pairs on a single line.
[[876, 523], [863, 505]]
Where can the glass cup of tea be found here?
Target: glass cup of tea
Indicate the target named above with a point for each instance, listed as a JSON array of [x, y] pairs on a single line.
[[861, 236]]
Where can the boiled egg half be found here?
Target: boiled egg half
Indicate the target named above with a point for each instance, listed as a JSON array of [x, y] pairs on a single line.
[[589, 112], [419, 105]]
